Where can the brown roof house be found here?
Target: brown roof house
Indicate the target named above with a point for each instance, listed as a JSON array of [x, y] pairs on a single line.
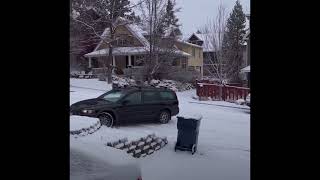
[[132, 45]]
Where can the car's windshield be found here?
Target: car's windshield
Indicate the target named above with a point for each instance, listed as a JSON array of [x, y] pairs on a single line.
[[113, 96]]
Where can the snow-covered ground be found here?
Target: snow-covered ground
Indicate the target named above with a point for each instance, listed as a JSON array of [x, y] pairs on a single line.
[[79, 122], [223, 145]]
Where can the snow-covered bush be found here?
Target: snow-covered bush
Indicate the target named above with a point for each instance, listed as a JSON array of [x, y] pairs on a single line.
[[171, 84], [121, 82], [240, 102]]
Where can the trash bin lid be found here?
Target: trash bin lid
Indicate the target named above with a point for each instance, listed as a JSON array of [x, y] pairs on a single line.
[[191, 116]]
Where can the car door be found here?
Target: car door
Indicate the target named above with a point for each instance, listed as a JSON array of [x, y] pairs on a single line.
[[133, 110], [152, 105]]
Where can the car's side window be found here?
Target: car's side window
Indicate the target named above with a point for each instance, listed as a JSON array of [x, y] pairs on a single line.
[[134, 98], [150, 96], [165, 95]]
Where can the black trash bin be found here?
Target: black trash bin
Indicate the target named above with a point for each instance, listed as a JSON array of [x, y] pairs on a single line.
[[188, 132]]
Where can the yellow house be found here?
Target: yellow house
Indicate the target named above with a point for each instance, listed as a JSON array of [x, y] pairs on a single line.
[[195, 61]]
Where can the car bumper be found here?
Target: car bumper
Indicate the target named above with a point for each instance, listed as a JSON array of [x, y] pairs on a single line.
[[79, 113], [175, 111]]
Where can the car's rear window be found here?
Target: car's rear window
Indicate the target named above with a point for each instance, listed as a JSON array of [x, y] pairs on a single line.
[[167, 95]]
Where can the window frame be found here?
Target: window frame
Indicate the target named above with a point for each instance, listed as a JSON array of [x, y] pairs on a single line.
[[157, 94], [125, 97], [169, 92]]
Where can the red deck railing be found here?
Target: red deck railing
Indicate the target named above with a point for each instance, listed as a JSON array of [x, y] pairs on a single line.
[[221, 92]]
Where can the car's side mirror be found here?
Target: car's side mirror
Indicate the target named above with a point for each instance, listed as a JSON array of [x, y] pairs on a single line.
[[125, 102]]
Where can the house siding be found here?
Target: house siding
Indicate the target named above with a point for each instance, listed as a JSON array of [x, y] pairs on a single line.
[[196, 58]]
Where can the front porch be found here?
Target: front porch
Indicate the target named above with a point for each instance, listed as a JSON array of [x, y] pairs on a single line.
[[120, 62]]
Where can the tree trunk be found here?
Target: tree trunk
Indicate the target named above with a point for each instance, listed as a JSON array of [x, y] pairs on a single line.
[[220, 92], [110, 56], [109, 75]]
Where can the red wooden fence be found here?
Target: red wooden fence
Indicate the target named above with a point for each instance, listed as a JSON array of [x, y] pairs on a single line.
[[221, 92]]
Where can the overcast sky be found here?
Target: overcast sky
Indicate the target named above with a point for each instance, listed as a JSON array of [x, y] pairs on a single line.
[[195, 13]]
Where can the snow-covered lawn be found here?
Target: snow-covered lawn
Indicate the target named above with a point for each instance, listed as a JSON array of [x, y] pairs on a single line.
[[223, 145], [94, 84], [79, 122]]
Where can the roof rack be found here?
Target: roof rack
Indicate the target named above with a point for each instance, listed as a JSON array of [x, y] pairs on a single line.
[[144, 87]]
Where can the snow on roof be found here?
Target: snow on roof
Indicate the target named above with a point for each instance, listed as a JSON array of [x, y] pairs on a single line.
[[138, 33], [118, 51], [133, 28], [207, 39], [185, 42], [246, 69], [177, 51], [103, 35], [128, 51]]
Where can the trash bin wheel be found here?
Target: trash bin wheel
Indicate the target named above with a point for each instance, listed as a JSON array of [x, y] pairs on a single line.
[[193, 149]]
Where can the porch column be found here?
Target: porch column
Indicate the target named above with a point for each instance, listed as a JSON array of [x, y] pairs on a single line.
[[129, 59], [90, 62], [113, 61]]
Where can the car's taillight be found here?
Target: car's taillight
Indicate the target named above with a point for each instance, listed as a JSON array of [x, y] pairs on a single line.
[[139, 178]]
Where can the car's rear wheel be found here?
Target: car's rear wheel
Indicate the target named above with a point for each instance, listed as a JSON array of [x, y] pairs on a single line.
[[164, 116], [106, 119]]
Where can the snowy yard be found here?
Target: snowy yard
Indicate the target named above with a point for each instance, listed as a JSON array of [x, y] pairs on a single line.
[[223, 146]]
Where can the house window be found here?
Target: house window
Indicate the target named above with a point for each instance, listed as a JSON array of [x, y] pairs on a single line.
[[122, 42], [184, 63], [138, 61], [94, 63], [176, 62], [191, 68], [193, 52]]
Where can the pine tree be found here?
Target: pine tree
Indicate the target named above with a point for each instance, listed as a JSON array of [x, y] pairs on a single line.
[[170, 19], [233, 42]]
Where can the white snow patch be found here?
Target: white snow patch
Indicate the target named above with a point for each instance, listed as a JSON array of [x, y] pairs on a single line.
[[191, 115], [240, 101], [94, 84], [223, 150], [80, 122], [96, 161]]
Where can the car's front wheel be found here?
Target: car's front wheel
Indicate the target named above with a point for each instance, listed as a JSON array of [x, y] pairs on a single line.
[[106, 119], [164, 116]]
